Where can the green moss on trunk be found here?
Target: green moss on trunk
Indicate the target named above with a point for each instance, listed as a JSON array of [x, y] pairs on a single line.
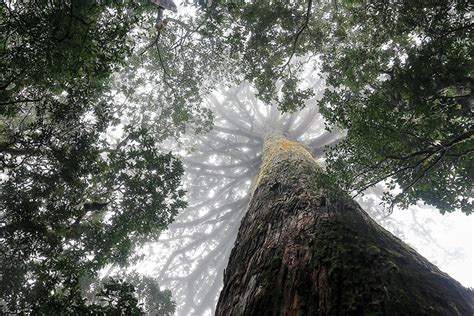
[[302, 252]]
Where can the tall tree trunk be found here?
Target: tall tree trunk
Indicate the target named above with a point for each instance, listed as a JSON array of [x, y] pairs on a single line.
[[304, 251]]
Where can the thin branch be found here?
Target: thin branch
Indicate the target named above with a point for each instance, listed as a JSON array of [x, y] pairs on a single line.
[[418, 178], [443, 149], [372, 183], [461, 138], [297, 36], [20, 101], [163, 66]]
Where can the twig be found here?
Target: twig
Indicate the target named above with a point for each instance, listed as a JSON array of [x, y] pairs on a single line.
[[163, 67], [418, 178], [300, 31]]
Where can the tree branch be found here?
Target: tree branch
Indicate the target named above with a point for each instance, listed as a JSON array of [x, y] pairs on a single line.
[[298, 34]]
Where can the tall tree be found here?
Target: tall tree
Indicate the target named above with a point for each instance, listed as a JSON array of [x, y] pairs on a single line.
[[220, 169], [271, 43], [308, 250], [60, 168]]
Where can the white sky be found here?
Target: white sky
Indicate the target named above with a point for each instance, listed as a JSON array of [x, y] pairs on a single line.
[[452, 231]]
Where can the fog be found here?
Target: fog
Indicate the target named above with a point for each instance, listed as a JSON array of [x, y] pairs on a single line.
[[167, 88], [220, 169]]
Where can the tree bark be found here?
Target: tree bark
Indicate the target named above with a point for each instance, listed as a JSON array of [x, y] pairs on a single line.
[[305, 250]]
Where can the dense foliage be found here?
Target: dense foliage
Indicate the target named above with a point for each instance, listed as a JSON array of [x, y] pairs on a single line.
[[403, 90], [115, 297], [400, 79], [72, 199], [132, 294], [89, 91]]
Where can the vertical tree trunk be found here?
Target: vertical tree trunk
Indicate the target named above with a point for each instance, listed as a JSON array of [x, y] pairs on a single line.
[[303, 251]]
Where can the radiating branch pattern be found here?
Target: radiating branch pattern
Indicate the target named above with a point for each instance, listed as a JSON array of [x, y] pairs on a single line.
[[221, 168]]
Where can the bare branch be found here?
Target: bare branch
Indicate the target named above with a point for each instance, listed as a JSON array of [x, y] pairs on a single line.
[[298, 34]]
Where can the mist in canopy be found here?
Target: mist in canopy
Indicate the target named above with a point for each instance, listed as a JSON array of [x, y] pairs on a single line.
[[217, 130], [220, 172]]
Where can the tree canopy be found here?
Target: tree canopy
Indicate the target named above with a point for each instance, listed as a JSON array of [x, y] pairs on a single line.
[[73, 198], [403, 90], [90, 91], [400, 83]]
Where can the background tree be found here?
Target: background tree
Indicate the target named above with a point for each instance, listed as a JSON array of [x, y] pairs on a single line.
[[409, 68], [76, 195]]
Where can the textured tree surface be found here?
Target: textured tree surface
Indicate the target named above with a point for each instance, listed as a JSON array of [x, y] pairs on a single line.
[[307, 251]]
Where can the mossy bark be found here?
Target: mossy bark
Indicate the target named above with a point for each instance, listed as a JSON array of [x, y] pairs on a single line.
[[303, 251]]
